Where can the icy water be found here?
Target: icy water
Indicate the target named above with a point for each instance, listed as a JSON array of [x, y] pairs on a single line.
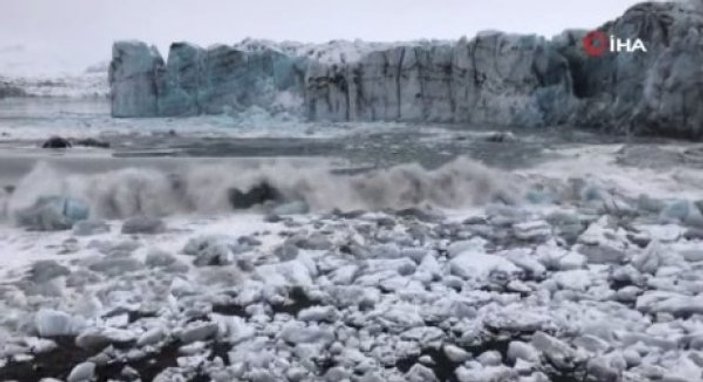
[[262, 248], [28, 122]]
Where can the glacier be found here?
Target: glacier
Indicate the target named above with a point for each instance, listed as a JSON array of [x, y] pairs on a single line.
[[495, 78]]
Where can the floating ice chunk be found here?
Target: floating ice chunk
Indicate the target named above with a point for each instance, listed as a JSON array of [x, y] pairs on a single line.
[[627, 275], [401, 315], [628, 294], [519, 286], [337, 373], [430, 266], [181, 287], [522, 350], [289, 273], [533, 230], [403, 266], [291, 208], [213, 249], [315, 241], [693, 255], [151, 337], [600, 369], [90, 227], [537, 196], [591, 343], [83, 372], [198, 331], [644, 342], [92, 339], [455, 353], [237, 328], [506, 215], [99, 338], [472, 265], [603, 253], [567, 225], [663, 233], [679, 211], [40, 345], [475, 372], [115, 266], [53, 213], [297, 333], [685, 369], [527, 262], [559, 353], [678, 305], [572, 260], [355, 296], [647, 204], [53, 323], [603, 245], [476, 244], [158, 258], [385, 251], [516, 318], [550, 255], [632, 357], [344, 275], [318, 314], [297, 374], [577, 279], [490, 358], [426, 336], [143, 225], [420, 373], [45, 270], [655, 256]]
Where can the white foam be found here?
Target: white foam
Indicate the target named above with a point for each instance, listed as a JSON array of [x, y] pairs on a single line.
[[597, 163], [204, 188]]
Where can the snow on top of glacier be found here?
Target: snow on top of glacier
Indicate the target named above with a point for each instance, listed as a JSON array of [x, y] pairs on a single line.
[[331, 52]]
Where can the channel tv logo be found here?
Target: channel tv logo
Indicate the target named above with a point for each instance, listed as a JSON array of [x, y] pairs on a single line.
[[597, 43]]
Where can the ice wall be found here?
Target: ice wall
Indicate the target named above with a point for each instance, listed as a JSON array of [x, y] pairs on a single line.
[[134, 72], [658, 92], [494, 78]]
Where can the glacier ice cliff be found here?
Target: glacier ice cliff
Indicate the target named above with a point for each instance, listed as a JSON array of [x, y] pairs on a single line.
[[134, 71], [494, 78], [657, 92]]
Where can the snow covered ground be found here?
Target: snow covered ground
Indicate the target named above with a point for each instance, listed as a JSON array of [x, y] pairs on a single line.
[[583, 267]]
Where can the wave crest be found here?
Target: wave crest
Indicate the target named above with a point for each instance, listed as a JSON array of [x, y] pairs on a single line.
[[214, 188]]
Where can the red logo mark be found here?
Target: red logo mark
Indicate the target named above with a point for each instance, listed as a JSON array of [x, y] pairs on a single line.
[[595, 43]]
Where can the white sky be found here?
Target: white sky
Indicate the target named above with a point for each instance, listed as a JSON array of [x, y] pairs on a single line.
[[48, 35]]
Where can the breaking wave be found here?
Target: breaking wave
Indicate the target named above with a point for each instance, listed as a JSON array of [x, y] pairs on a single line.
[[216, 188]]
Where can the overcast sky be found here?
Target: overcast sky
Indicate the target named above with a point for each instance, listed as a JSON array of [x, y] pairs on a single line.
[[71, 34]]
